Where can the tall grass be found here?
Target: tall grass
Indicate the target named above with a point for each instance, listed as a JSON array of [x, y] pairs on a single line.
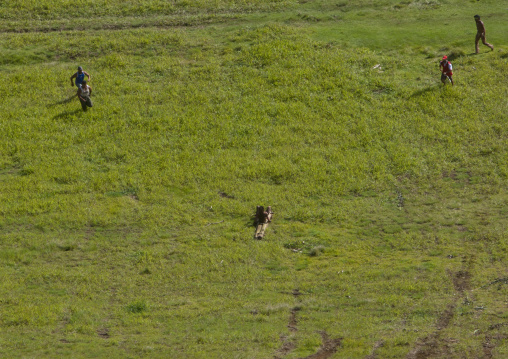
[[266, 108]]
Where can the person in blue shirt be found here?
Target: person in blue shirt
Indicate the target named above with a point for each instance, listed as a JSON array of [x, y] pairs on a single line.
[[79, 76]]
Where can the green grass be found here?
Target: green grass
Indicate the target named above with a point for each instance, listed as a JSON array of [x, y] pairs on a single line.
[[127, 231], [44, 10]]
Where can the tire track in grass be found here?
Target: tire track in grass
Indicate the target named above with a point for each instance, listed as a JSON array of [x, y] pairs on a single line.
[[292, 326], [327, 349], [433, 345], [287, 347], [490, 344], [288, 343], [461, 281], [492, 340]]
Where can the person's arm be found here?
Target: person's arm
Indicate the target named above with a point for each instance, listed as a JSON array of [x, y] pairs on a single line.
[[73, 76], [88, 75], [90, 90]]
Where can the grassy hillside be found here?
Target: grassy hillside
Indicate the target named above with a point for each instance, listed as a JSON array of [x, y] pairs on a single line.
[[127, 231]]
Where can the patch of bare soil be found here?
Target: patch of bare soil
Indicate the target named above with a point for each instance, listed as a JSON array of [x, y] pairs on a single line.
[[461, 281], [103, 333], [490, 343], [446, 317], [225, 195], [292, 319], [327, 349], [497, 326], [287, 347], [488, 346], [492, 340], [430, 347]]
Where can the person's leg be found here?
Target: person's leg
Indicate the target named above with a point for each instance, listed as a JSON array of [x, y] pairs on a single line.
[[89, 102], [83, 103], [443, 78], [451, 79], [478, 35], [486, 43]]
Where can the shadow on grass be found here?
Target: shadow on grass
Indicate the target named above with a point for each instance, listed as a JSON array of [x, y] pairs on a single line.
[[67, 114], [424, 91], [67, 100], [455, 55]]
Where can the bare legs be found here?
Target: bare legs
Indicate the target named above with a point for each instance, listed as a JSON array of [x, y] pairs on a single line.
[[477, 39]]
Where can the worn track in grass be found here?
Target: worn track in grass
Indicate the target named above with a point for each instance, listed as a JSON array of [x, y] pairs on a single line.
[[327, 348]]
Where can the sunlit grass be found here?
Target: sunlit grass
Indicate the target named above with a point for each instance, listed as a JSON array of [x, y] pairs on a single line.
[[127, 231]]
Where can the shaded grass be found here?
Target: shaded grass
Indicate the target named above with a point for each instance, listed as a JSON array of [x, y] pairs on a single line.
[[98, 8]]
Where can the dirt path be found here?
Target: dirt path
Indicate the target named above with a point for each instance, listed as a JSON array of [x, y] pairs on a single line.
[[434, 345]]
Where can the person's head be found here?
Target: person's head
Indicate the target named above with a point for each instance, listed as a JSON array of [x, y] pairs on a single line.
[[259, 210], [80, 69], [83, 84], [477, 17], [445, 58]]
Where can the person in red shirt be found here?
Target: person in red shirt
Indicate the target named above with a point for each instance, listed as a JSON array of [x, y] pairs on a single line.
[[446, 70], [480, 34]]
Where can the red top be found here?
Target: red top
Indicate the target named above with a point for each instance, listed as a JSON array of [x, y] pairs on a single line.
[[446, 67]]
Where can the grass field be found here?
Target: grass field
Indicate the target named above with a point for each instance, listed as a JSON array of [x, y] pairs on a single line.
[[127, 231]]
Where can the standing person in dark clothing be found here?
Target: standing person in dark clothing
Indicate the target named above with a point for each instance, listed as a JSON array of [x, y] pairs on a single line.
[[80, 77], [480, 34], [446, 70], [84, 93]]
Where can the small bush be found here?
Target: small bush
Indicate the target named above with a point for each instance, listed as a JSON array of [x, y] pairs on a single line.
[[316, 251], [137, 307]]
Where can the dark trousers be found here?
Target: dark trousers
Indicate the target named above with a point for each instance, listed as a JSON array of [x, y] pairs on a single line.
[[85, 102]]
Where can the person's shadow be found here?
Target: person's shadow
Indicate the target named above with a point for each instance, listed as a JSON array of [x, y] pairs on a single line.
[[423, 91], [67, 100], [66, 115]]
